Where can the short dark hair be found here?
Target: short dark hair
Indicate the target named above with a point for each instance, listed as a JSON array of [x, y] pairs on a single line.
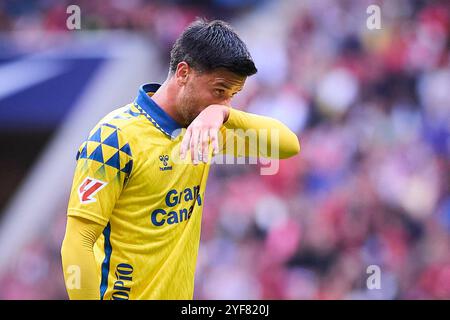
[[206, 46]]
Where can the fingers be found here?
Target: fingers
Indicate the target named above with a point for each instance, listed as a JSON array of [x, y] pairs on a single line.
[[185, 143], [204, 143], [194, 145], [197, 140], [213, 135]]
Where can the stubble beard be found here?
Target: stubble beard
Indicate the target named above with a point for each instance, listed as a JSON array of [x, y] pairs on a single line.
[[188, 110]]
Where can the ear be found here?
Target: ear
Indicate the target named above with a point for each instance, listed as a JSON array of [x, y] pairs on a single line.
[[182, 73]]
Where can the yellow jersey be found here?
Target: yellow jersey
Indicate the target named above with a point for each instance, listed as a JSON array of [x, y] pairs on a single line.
[[129, 178], [151, 207]]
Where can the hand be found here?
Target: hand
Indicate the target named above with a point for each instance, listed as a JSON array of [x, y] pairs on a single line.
[[204, 127]]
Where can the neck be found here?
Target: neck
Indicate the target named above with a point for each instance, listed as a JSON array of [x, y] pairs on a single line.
[[165, 98]]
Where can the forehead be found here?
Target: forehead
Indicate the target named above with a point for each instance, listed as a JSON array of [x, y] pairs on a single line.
[[225, 78]]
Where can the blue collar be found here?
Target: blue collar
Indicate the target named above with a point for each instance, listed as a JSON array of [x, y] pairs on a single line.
[[155, 113]]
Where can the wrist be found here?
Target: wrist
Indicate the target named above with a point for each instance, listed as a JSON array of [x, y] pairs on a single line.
[[226, 113], [221, 109]]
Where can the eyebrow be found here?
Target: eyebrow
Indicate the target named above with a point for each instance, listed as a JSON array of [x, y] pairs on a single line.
[[224, 85]]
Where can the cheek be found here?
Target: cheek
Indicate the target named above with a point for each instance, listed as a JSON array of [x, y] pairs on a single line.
[[199, 100], [190, 105], [207, 98], [192, 95], [187, 98]]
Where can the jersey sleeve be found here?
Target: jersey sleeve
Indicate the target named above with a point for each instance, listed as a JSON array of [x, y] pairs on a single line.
[[249, 135], [104, 166]]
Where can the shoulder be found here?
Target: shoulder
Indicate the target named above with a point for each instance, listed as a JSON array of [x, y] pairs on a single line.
[[122, 119], [114, 133], [120, 124]]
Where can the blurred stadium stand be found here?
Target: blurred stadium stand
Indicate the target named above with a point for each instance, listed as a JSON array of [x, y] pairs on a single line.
[[371, 109]]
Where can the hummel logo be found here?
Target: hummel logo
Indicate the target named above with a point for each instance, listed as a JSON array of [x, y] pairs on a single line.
[[164, 158]]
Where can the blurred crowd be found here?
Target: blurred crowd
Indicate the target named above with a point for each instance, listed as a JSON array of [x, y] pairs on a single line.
[[370, 187]]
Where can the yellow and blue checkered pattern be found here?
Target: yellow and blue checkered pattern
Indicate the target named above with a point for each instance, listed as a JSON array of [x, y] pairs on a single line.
[[107, 150]]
